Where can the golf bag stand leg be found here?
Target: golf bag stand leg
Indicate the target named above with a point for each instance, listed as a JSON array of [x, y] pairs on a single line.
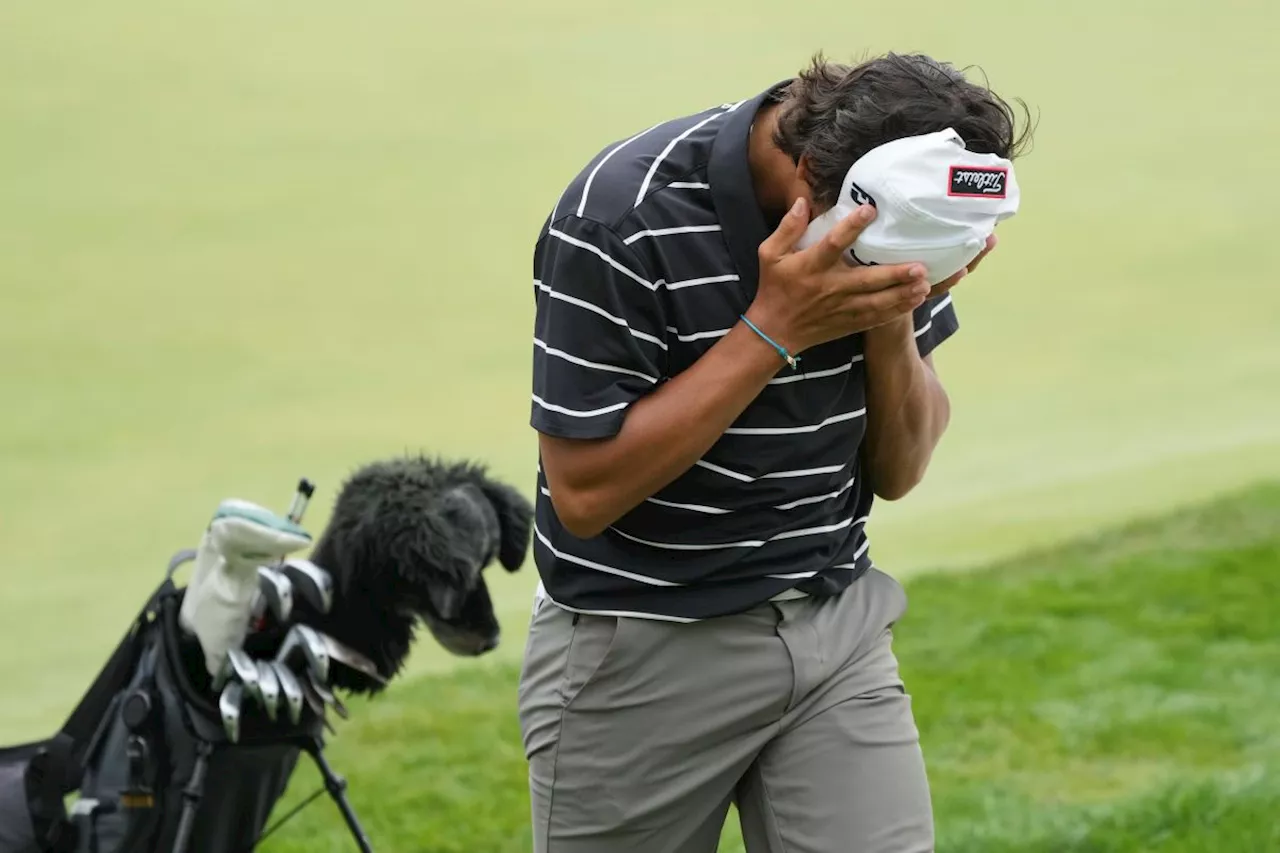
[[337, 787], [191, 796]]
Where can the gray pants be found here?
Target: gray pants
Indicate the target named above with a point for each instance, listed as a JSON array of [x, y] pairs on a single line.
[[639, 734]]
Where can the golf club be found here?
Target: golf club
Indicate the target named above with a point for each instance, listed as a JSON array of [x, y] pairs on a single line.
[[300, 499], [275, 593], [327, 696], [313, 583], [316, 703], [341, 653], [313, 700], [269, 689], [229, 706], [290, 689], [246, 671], [304, 642], [239, 664]]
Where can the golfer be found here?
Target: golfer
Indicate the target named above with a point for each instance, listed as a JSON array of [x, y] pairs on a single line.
[[716, 412]]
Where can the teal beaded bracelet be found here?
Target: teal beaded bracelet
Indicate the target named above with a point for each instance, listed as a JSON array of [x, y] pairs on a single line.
[[790, 359]]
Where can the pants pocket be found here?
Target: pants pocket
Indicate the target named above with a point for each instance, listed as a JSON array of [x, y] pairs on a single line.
[[595, 640], [542, 673], [895, 603], [565, 653]]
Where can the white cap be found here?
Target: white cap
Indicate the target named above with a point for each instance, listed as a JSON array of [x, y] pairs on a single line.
[[936, 203]]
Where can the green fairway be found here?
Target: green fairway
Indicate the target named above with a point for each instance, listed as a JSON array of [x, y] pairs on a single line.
[[1114, 696], [244, 242]]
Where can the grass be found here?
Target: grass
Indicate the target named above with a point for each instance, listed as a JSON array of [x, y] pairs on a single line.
[[242, 242], [1117, 695]]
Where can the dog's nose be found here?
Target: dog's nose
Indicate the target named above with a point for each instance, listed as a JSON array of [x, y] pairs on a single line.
[[489, 645]]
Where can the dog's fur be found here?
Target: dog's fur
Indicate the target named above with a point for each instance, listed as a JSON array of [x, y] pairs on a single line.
[[407, 541]]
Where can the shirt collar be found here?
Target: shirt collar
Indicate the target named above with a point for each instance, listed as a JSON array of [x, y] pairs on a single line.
[[732, 190]]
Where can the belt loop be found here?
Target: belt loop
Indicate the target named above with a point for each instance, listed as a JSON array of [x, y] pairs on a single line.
[[576, 617]]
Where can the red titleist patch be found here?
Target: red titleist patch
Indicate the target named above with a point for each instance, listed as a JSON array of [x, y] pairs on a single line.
[[978, 181]]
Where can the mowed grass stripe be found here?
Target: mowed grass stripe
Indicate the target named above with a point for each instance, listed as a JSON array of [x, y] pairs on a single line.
[[1115, 695]]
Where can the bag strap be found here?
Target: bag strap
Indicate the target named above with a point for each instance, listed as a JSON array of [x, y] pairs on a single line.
[[83, 723]]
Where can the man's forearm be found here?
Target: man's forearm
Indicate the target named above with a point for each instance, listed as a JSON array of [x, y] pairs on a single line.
[[907, 410], [594, 483]]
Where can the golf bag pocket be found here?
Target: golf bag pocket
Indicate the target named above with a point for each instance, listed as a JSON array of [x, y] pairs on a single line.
[[33, 817], [17, 828], [121, 794]]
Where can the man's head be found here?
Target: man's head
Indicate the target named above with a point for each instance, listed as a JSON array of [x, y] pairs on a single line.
[[832, 114]]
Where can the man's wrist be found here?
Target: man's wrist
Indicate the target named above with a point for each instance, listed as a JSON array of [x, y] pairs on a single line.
[[755, 351], [771, 330], [890, 339]]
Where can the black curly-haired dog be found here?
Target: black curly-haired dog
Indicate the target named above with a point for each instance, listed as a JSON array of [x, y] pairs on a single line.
[[407, 540]]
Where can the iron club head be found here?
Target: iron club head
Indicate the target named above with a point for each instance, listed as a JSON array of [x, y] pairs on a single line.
[[269, 689], [316, 703], [341, 653], [229, 706], [245, 671], [313, 700], [305, 642], [276, 591], [313, 583], [239, 665], [327, 696], [290, 689]]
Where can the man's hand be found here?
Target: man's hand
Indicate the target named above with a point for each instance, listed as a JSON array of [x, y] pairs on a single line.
[[809, 297], [943, 287]]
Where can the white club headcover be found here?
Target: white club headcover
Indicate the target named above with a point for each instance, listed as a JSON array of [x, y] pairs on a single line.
[[219, 597]]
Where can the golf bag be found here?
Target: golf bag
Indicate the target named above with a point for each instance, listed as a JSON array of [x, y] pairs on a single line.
[[32, 815], [139, 748], [228, 679]]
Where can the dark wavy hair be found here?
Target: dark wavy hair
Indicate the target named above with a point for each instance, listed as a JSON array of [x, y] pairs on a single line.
[[832, 114]]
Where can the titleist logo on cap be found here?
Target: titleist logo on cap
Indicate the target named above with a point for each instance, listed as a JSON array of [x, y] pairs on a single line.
[[978, 181], [860, 196]]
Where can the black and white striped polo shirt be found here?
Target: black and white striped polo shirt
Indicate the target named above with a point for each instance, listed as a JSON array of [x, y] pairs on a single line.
[[648, 258]]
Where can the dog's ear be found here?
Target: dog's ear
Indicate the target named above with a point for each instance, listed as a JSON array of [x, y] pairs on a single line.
[[515, 520]]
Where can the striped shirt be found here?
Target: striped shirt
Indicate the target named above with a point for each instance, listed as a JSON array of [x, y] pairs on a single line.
[[645, 262]]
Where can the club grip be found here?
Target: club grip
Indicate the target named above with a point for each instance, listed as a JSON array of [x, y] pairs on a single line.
[[300, 499]]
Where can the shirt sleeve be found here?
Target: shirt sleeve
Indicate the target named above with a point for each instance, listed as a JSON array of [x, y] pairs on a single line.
[[935, 321], [599, 331]]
